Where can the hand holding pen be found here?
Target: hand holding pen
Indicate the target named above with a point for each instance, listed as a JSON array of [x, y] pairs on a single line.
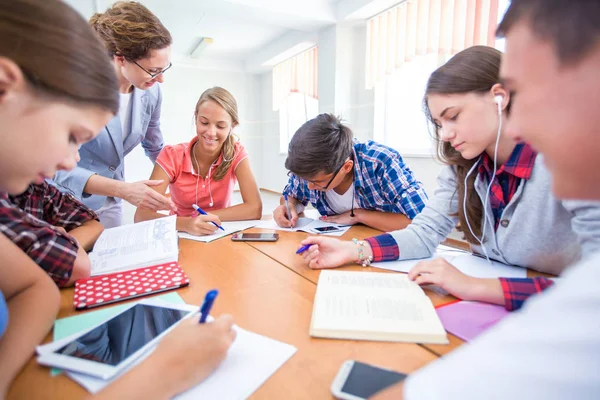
[[286, 215], [202, 212]]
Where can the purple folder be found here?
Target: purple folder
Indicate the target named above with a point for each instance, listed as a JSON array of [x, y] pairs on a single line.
[[467, 319]]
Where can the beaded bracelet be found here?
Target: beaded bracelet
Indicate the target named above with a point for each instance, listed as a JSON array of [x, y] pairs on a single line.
[[362, 260]]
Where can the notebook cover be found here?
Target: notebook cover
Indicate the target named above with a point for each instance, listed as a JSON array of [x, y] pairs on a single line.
[[100, 290]]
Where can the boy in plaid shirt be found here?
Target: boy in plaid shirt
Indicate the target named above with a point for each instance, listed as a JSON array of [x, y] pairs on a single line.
[[347, 181]]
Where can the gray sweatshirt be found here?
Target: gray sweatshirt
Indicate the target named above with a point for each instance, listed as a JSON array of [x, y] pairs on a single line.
[[536, 229]]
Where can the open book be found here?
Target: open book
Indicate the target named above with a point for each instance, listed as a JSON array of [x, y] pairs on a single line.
[[374, 306], [134, 246]]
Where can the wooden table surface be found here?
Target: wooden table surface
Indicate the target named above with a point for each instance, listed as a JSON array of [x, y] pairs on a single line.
[[264, 297], [284, 252]]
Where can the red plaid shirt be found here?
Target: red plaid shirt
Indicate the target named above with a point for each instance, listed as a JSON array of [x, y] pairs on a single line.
[[30, 220], [506, 180]]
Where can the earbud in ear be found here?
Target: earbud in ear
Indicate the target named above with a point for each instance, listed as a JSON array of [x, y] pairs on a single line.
[[498, 99]]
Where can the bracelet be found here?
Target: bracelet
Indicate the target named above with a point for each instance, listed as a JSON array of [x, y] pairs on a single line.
[[362, 260]]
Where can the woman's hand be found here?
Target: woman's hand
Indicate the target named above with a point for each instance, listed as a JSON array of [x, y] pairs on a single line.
[[141, 195], [441, 273], [201, 225], [325, 252]]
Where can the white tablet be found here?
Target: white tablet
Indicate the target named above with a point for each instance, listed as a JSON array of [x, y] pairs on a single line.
[[106, 349]]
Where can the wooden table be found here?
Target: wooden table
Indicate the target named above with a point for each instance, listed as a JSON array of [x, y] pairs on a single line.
[[265, 298], [284, 252]]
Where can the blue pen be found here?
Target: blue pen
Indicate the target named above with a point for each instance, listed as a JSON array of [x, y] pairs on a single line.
[[207, 305], [303, 249], [201, 211]]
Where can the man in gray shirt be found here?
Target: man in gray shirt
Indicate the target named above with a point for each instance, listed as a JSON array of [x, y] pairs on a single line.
[[550, 349]]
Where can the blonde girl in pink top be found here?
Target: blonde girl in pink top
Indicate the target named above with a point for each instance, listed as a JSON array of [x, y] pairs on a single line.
[[205, 170]]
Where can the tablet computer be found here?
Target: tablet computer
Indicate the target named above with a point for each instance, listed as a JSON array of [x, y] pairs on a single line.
[[106, 349]]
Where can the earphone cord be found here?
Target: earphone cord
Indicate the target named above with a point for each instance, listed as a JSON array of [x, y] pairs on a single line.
[[487, 192], [198, 177]]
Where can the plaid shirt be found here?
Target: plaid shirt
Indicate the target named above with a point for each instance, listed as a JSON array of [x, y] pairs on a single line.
[[29, 220], [381, 179], [507, 178], [515, 290]]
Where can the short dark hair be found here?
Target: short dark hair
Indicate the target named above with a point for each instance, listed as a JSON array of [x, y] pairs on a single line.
[[572, 26], [320, 145]]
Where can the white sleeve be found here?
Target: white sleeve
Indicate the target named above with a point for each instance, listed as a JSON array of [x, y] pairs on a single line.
[[550, 349]]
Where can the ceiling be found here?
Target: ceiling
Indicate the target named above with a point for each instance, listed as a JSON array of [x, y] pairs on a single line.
[[246, 33]]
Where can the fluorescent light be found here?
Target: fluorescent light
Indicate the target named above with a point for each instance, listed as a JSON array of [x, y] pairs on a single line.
[[201, 46]]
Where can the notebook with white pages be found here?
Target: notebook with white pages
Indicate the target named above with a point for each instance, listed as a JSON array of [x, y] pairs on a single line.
[[374, 306], [135, 246], [230, 228], [306, 224]]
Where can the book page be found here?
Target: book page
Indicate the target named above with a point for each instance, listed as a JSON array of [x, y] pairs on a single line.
[[135, 245], [372, 302], [229, 227]]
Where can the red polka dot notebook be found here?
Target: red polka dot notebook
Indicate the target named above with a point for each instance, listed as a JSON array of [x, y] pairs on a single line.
[[111, 288]]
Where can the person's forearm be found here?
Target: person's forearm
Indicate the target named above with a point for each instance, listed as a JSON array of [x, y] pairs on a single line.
[[103, 186], [147, 380], [82, 267], [488, 290], [32, 313], [87, 234], [383, 221], [240, 212]]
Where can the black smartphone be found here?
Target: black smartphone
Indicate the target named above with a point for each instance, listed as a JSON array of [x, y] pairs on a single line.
[[255, 237]]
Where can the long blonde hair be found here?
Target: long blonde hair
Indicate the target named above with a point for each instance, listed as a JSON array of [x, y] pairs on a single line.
[[226, 100]]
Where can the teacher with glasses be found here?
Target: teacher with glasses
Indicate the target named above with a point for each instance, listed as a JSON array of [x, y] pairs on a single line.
[[140, 48]]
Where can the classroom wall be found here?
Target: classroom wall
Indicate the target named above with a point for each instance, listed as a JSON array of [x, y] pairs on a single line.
[[342, 54]]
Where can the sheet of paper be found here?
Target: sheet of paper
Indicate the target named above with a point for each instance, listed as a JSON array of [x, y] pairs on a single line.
[[305, 224], [467, 319], [68, 326], [250, 361], [135, 245], [465, 262], [229, 228]]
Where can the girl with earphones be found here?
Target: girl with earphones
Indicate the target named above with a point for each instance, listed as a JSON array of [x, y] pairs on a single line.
[[496, 188], [205, 170]]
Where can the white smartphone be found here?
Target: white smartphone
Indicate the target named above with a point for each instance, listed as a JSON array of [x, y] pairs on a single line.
[[359, 381], [255, 237], [106, 349], [326, 229]]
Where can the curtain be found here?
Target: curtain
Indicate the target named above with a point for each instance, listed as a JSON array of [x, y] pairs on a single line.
[[423, 27], [298, 74]]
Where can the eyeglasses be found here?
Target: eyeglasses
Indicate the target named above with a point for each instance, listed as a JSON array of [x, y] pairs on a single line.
[[150, 73], [337, 171]]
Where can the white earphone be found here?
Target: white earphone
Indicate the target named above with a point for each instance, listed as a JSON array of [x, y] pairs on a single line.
[[498, 100]]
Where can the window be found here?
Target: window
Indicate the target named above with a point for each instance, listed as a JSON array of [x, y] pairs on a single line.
[[399, 79], [295, 93], [296, 109]]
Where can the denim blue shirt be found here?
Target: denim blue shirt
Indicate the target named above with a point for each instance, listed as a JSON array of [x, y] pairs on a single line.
[[382, 182]]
